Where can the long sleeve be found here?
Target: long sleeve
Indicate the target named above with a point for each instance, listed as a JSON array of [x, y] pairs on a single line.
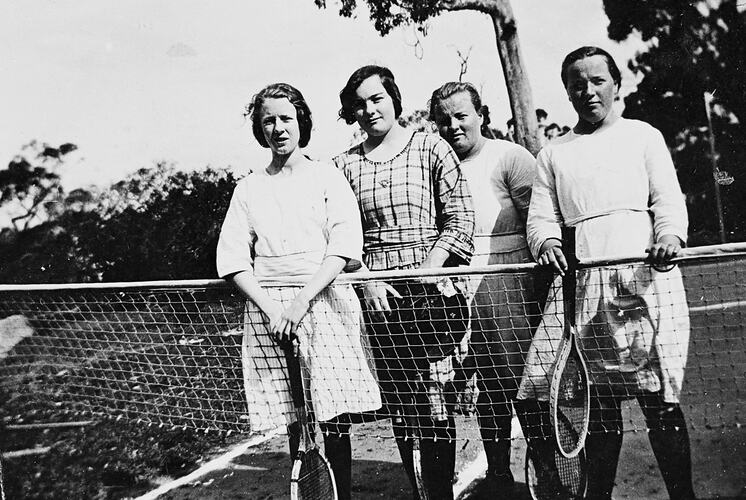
[[520, 179], [343, 230], [666, 199], [544, 215], [453, 204], [236, 241]]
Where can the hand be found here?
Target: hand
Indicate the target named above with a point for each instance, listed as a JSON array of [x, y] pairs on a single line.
[[550, 254], [667, 247], [375, 298], [285, 324]]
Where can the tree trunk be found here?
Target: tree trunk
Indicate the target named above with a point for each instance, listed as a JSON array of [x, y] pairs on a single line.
[[516, 80]]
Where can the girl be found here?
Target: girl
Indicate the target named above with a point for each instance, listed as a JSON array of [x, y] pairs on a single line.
[[298, 217]]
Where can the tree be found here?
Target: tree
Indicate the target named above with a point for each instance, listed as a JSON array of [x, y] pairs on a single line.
[[389, 14], [159, 223], [694, 49], [30, 189]]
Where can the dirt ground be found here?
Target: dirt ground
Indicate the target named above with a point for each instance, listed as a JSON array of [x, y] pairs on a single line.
[[263, 472]]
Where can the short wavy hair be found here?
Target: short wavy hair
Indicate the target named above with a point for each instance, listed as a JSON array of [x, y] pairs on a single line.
[[280, 91], [347, 96], [449, 89], [589, 51]]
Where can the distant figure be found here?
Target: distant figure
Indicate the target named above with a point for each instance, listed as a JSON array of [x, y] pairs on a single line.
[[552, 131], [511, 130], [541, 116], [541, 123], [296, 217], [485, 129]]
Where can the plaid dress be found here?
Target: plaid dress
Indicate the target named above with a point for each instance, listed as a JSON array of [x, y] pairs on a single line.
[[409, 204]]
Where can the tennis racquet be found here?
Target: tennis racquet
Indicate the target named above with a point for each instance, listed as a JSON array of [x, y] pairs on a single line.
[[414, 434], [569, 394], [560, 478], [312, 477]]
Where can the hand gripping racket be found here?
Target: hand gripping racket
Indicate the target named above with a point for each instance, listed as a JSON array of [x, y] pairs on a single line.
[[312, 477], [558, 476], [569, 394]]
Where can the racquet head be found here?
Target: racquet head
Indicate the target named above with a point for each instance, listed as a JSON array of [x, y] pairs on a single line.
[[561, 478], [312, 477], [569, 399]]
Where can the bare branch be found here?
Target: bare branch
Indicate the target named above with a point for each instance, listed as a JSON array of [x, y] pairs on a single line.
[[463, 60]]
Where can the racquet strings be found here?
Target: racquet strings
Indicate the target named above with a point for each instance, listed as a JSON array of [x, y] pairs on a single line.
[[571, 470], [571, 406], [315, 481], [563, 478]]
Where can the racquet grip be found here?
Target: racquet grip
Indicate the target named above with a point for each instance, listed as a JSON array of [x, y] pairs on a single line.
[[294, 375]]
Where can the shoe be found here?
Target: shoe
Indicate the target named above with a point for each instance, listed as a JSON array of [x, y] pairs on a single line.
[[494, 486]]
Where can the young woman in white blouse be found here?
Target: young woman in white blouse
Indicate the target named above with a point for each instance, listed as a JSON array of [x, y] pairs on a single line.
[[296, 217], [613, 180]]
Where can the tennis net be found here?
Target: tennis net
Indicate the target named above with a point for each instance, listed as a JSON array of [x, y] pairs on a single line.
[[177, 353]]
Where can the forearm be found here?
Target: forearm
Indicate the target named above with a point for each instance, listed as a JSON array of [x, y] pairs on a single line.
[[330, 268], [249, 286], [436, 258], [670, 239]]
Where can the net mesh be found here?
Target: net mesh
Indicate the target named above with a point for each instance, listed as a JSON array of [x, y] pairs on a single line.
[[184, 354], [313, 480]]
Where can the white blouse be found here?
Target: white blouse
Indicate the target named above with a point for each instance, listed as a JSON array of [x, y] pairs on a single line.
[[620, 171], [285, 224], [500, 178]]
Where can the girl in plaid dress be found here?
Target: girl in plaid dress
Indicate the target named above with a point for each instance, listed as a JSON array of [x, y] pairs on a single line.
[[417, 213], [298, 217]]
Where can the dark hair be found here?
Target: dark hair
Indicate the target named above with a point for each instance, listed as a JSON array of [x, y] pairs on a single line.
[[551, 126], [588, 51], [348, 98], [540, 113], [452, 88], [280, 91]]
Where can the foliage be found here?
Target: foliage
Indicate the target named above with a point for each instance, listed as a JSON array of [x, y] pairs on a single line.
[[389, 14], [30, 190], [158, 223], [161, 224], [418, 120], [692, 48]]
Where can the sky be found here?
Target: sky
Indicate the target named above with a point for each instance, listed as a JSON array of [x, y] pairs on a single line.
[[140, 81]]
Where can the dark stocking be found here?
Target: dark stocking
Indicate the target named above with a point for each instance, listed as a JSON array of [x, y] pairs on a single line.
[[669, 439]]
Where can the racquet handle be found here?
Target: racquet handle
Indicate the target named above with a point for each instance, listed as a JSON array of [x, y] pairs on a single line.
[[569, 280], [294, 374]]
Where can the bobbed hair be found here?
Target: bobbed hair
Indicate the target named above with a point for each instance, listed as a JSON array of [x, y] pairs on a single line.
[[280, 91], [347, 96], [588, 51], [449, 89]]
